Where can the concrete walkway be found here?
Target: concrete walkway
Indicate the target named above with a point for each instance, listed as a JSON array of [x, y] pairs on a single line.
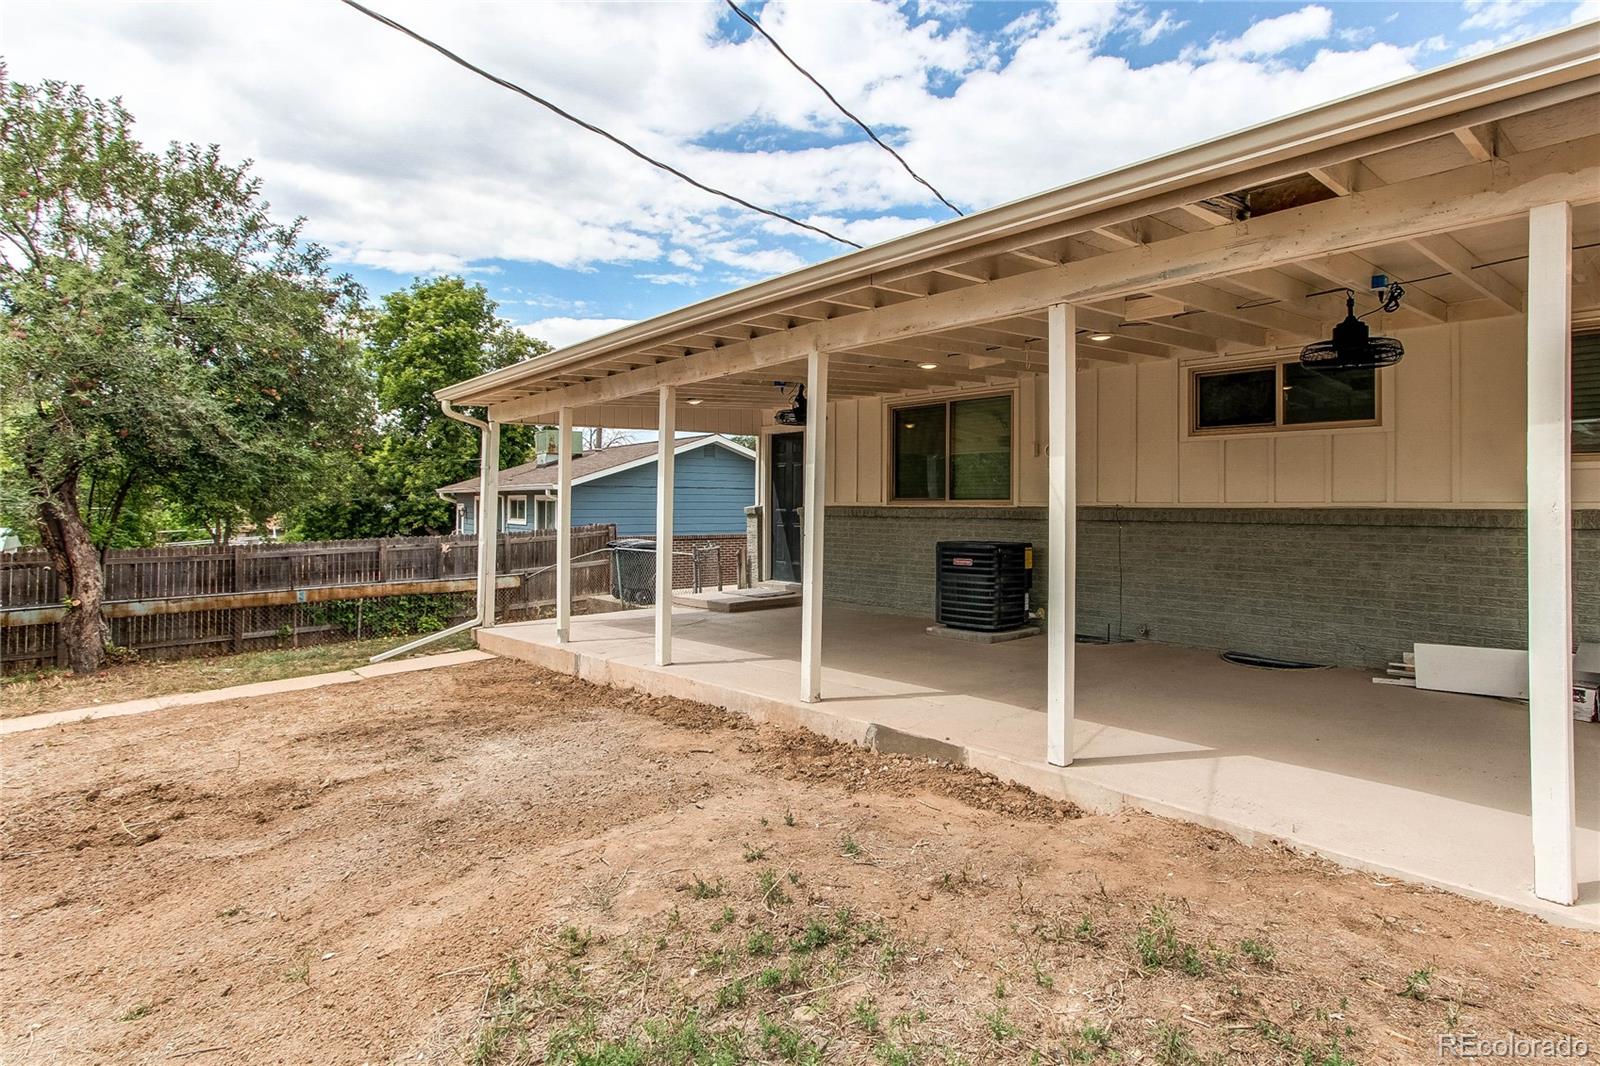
[[1427, 786], [239, 692]]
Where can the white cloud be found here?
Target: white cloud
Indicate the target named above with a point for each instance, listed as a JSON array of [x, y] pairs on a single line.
[[1492, 14], [1584, 12], [562, 332], [1273, 36], [1150, 30], [682, 277], [400, 160]]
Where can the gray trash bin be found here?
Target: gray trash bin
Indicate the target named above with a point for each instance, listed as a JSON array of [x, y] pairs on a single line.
[[633, 571]]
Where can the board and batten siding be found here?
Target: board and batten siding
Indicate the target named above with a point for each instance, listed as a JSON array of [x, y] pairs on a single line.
[[1452, 435], [712, 487]]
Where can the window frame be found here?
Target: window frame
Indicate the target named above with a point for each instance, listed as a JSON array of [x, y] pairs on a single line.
[[1192, 395], [1587, 327], [510, 516], [946, 400]]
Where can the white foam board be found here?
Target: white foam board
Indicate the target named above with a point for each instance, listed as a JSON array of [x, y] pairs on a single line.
[[1481, 671]]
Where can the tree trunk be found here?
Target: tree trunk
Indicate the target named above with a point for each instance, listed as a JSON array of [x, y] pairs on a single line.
[[77, 563]]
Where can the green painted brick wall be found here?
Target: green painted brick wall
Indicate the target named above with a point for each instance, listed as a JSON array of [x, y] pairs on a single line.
[[1352, 587]]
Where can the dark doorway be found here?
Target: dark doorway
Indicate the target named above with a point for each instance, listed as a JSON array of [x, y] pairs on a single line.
[[788, 465]]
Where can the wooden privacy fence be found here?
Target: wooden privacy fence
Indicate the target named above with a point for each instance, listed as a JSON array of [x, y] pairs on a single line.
[[177, 601]]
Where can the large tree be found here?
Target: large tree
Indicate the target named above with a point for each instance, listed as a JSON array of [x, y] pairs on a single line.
[[161, 334], [434, 333]]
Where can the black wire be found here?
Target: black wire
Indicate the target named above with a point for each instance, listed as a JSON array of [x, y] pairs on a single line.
[[844, 110], [591, 127]]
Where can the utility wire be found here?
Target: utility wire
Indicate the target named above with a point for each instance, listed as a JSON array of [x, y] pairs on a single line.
[[737, 10], [591, 127]]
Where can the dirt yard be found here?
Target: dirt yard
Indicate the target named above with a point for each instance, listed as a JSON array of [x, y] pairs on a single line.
[[493, 864]]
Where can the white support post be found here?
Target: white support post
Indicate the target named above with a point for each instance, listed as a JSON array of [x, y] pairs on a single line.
[[1061, 555], [816, 492], [666, 430], [564, 528], [1550, 738], [488, 518]]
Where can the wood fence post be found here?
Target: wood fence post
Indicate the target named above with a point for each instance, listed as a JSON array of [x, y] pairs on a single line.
[[237, 619], [61, 597], [383, 561]]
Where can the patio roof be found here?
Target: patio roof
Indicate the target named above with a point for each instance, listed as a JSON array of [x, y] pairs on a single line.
[[1243, 243]]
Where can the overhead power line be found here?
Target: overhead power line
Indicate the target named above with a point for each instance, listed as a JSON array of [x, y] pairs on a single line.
[[591, 127], [737, 10]]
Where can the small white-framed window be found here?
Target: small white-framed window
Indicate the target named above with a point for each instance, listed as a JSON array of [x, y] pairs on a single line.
[[1281, 395], [544, 513], [517, 510]]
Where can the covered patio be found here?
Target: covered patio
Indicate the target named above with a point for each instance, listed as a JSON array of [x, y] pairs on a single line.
[[1079, 328], [1322, 760]]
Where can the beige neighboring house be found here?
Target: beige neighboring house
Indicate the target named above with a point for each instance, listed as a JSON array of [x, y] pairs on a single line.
[[1112, 372]]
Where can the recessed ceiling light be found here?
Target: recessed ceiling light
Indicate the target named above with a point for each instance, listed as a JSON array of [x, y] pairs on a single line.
[[929, 366], [1099, 336], [694, 403]]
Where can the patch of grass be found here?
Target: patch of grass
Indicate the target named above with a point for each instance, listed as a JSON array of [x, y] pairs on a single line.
[[1272, 1033], [789, 819], [849, 846], [753, 853], [703, 889], [135, 1012], [1089, 1042], [1172, 1046], [54, 690], [723, 920], [714, 961], [1261, 952], [505, 1025], [1418, 984], [814, 937], [891, 1054], [770, 978], [1087, 932], [299, 973], [760, 944], [1331, 1055], [769, 889], [1041, 977], [789, 1045], [573, 941], [1157, 945], [733, 994], [998, 1022], [865, 1015], [230, 912]]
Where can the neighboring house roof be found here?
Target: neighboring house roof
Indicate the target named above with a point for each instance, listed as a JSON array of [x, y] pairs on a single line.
[[591, 466]]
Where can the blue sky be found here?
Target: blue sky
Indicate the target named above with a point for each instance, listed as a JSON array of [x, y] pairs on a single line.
[[406, 165]]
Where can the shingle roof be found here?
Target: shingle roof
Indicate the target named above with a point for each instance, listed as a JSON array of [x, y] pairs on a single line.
[[537, 475]]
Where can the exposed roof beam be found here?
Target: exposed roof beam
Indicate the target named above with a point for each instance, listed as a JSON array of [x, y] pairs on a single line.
[[1454, 257], [1351, 271], [1268, 316], [1479, 141], [1348, 177], [1470, 196]]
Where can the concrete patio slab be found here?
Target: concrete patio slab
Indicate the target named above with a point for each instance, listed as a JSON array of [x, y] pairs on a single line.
[[240, 692], [1427, 786]]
